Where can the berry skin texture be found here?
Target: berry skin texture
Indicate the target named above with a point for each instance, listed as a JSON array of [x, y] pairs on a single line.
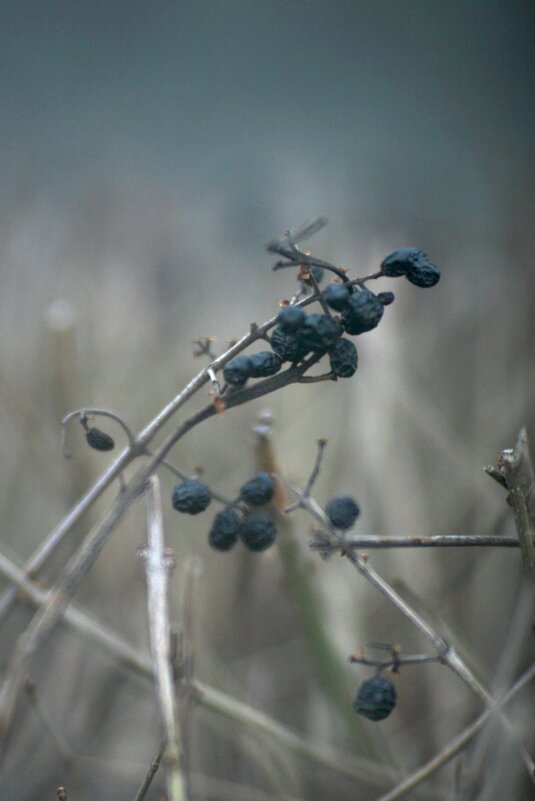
[[237, 370], [99, 441], [336, 296], [287, 346], [400, 261], [258, 491], [424, 275], [264, 364], [344, 358], [191, 497], [386, 298], [291, 318], [375, 699], [258, 531], [318, 332], [225, 530], [362, 313], [342, 511]]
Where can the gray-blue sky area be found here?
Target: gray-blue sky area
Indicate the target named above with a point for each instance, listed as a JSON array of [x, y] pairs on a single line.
[[394, 114]]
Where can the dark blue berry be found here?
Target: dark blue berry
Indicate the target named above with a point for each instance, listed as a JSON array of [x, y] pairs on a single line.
[[318, 332], [423, 274], [258, 531], [287, 346], [225, 530], [386, 298], [400, 261], [344, 359], [375, 699], [99, 440], [237, 370], [291, 318], [317, 272], [336, 296], [191, 497], [362, 313], [342, 511], [264, 364], [258, 490]]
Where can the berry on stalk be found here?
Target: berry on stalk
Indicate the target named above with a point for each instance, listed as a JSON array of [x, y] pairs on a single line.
[[191, 497], [344, 358], [336, 296], [237, 370], [318, 333], [264, 364], [258, 531], [287, 345], [375, 699], [225, 530], [342, 511], [259, 490], [98, 440], [363, 312], [291, 318]]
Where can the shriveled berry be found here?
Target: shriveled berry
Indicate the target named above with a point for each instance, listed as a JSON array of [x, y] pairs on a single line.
[[375, 699], [98, 440], [287, 345], [362, 313], [336, 296], [192, 496], [225, 530], [344, 358], [258, 531], [342, 511], [291, 318], [386, 298], [259, 490], [318, 332], [317, 272], [237, 370], [400, 261], [423, 274], [264, 364]]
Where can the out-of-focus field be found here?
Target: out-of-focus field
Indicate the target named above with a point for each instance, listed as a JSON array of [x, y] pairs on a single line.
[[148, 156]]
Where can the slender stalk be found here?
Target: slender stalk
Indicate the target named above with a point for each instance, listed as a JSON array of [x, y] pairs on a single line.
[[158, 567]]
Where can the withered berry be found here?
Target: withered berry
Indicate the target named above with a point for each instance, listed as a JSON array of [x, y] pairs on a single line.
[[362, 313], [264, 364], [259, 490], [342, 511], [343, 358], [237, 370], [225, 530], [192, 496], [258, 531], [375, 699], [99, 440]]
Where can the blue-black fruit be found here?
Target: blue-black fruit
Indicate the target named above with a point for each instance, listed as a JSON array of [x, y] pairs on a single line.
[[362, 313], [386, 298], [337, 296], [258, 490], [287, 345], [264, 364], [258, 531], [344, 358], [237, 370], [291, 318], [375, 699], [99, 440], [225, 530], [318, 333], [342, 511], [191, 497]]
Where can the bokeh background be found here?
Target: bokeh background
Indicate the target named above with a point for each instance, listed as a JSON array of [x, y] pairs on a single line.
[[149, 151]]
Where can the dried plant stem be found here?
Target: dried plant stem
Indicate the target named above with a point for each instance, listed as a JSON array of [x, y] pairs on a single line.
[[81, 562], [158, 568], [151, 773]]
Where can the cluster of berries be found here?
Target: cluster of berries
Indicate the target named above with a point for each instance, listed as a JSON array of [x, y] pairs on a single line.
[[375, 699], [256, 529], [298, 335]]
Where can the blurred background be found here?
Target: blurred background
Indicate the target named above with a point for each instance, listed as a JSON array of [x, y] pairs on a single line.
[[149, 152]]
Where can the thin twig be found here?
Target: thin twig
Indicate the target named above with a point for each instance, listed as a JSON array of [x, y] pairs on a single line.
[[151, 773], [158, 566]]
